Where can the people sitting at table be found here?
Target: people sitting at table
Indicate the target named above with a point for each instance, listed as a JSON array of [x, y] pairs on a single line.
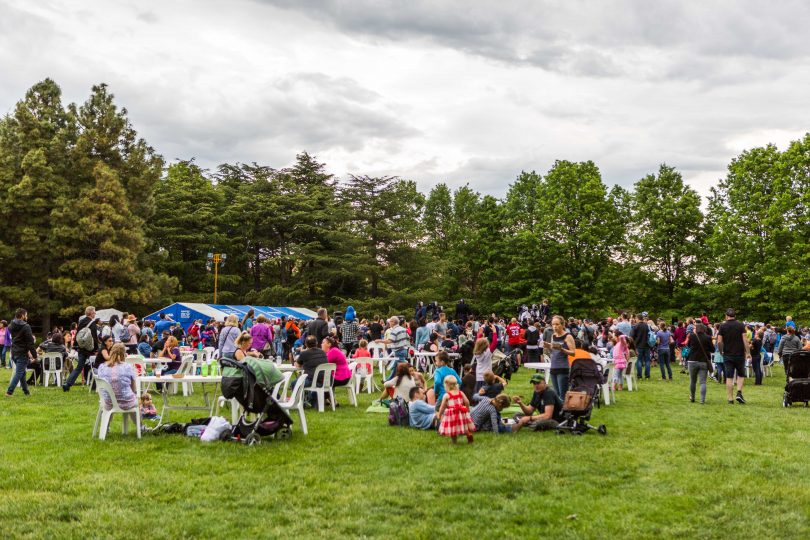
[[401, 384], [544, 411], [335, 356], [227, 337], [144, 348], [103, 353], [421, 414], [310, 358], [157, 347], [121, 377], [171, 351], [244, 344]]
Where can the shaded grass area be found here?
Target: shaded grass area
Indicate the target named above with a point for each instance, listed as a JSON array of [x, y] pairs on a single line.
[[667, 468]]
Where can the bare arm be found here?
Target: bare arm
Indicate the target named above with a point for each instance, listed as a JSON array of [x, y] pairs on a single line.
[[570, 344]]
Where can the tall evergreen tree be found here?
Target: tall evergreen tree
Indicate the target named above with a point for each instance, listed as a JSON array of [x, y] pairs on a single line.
[[100, 244]]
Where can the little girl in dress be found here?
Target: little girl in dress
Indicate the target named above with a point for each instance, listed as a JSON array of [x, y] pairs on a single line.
[[621, 356], [455, 412]]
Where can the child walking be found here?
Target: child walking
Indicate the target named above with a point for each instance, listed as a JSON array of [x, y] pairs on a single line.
[[621, 356], [455, 412]]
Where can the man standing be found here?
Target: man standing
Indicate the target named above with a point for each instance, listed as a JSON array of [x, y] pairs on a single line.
[[87, 345], [320, 326], [545, 409], [397, 342], [736, 349], [640, 336], [545, 311], [624, 325], [512, 335], [462, 310], [22, 344], [375, 329], [165, 323]]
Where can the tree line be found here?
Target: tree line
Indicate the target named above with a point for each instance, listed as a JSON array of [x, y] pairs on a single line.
[[91, 214]]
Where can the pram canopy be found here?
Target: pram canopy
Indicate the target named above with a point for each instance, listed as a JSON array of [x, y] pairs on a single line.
[[585, 375], [250, 381], [797, 365]]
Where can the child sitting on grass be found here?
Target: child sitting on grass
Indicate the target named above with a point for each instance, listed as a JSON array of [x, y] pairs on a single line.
[[487, 415], [493, 385], [148, 409], [454, 412]]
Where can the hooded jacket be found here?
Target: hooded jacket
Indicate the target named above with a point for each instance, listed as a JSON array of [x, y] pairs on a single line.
[[22, 339]]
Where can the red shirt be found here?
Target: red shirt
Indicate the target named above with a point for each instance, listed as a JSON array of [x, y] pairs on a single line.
[[513, 332]]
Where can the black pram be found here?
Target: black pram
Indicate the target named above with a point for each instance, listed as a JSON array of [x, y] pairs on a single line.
[[251, 383], [586, 376], [797, 373]]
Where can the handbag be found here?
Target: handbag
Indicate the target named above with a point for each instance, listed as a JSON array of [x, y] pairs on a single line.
[[576, 401]]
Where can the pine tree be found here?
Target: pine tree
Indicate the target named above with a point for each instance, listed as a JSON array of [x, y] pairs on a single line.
[[100, 240], [35, 168]]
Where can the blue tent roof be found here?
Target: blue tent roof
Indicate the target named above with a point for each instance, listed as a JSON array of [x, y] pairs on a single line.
[[187, 312]]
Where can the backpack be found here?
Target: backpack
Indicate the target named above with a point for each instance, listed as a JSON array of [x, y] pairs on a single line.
[[398, 414], [123, 335], [84, 338], [651, 338]]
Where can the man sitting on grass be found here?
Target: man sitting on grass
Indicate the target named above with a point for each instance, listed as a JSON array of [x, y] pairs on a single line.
[[545, 409], [422, 415]]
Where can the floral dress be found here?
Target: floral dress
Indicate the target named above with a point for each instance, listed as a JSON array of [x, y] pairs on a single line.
[[456, 419]]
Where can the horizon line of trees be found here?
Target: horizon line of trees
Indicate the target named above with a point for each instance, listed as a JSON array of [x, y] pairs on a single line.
[[91, 214]]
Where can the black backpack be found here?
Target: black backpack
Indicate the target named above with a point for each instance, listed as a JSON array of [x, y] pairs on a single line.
[[398, 414]]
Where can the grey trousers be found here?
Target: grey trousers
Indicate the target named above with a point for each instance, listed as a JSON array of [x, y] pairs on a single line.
[[698, 369]]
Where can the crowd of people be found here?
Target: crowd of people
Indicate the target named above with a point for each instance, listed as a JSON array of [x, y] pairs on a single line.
[[466, 395]]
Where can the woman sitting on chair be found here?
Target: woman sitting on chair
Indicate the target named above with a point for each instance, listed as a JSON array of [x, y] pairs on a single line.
[[243, 344], [334, 355], [171, 352], [121, 377]]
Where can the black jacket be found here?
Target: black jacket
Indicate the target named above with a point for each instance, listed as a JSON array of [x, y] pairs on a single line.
[[84, 320], [639, 336], [22, 339]]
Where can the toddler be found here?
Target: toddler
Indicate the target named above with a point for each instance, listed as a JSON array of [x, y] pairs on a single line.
[[454, 412], [493, 385], [363, 352], [148, 409]]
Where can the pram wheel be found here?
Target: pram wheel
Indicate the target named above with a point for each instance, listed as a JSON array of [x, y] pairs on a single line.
[[253, 439], [284, 434], [602, 429]]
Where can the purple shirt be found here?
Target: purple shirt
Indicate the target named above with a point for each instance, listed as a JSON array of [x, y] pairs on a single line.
[[262, 334], [120, 377]]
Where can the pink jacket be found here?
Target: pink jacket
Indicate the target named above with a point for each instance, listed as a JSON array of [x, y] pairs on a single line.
[[336, 356], [621, 353]]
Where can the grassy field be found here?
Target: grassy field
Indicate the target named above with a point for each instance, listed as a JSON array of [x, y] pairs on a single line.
[[667, 468]]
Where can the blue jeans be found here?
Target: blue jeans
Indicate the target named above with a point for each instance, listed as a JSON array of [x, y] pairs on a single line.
[[80, 366], [560, 383], [279, 346], [3, 353], [20, 365], [756, 363], [643, 360], [401, 356], [663, 361]]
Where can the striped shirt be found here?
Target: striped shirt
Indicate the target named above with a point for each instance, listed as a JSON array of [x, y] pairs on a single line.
[[399, 338]]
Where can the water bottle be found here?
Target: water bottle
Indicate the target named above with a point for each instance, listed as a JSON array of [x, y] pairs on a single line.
[[214, 371], [204, 369]]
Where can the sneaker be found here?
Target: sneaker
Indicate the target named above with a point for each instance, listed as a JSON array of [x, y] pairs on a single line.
[[740, 399], [731, 402], [65, 388], [692, 399]]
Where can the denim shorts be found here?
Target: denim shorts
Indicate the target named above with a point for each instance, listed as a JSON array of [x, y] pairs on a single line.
[[733, 364]]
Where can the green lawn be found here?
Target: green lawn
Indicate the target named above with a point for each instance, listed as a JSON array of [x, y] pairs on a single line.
[[667, 468]]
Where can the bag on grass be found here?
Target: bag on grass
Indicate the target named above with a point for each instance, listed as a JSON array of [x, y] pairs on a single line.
[[398, 414], [216, 426]]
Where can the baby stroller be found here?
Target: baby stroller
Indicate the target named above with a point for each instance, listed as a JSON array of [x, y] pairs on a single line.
[[797, 373], [584, 381], [503, 365], [251, 383]]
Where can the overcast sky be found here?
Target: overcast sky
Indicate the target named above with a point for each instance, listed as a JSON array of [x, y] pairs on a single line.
[[435, 91]]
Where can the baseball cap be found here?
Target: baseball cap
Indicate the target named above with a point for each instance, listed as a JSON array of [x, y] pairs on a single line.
[[538, 378]]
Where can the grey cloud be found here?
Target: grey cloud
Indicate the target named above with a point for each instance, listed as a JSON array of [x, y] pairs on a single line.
[[303, 111], [584, 39]]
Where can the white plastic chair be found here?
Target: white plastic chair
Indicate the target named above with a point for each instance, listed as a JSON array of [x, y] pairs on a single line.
[[349, 386], [363, 373], [104, 416], [186, 368], [52, 366], [328, 371], [296, 401], [629, 377], [280, 389], [236, 408]]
